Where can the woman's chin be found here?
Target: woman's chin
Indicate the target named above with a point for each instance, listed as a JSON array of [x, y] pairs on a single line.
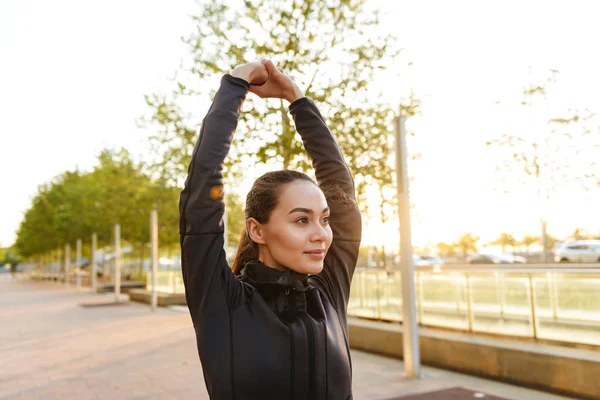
[[311, 269]]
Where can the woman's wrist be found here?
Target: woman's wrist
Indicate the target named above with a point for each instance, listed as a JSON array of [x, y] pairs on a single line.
[[245, 72], [294, 95]]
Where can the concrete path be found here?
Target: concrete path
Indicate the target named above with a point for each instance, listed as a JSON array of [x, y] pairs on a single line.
[[52, 348]]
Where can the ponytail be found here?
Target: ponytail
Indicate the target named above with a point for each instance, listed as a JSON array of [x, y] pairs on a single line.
[[247, 251]]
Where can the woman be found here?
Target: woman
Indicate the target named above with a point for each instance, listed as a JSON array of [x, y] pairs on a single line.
[[276, 327]]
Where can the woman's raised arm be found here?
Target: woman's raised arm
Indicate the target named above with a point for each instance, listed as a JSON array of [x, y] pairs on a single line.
[[335, 179], [201, 206]]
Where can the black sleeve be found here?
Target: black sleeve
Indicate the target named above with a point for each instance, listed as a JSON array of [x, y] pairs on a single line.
[[207, 277], [333, 176]]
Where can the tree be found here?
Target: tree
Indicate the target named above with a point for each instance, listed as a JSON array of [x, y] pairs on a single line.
[[505, 239], [467, 243], [580, 234], [446, 249], [333, 50], [75, 205], [9, 256], [528, 240], [541, 156]]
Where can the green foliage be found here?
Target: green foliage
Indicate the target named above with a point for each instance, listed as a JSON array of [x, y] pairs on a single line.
[[446, 249], [580, 234], [333, 51], [235, 218], [8, 256], [75, 205], [528, 240]]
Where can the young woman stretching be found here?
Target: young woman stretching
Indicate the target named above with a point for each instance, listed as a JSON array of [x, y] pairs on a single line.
[[273, 326]]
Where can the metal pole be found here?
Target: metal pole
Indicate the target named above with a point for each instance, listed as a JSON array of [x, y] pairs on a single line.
[[552, 292], [48, 268], [378, 293], [67, 263], [78, 264], [117, 262], [469, 296], [93, 261], [412, 360], [500, 292], [154, 239], [57, 269], [420, 296], [532, 305]]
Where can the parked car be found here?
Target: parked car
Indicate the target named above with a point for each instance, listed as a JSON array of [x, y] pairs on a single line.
[[422, 260], [431, 259], [502, 258], [578, 251]]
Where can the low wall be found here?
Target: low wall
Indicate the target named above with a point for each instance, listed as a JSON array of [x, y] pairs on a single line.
[[126, 286], [558, 369], [163, 299]]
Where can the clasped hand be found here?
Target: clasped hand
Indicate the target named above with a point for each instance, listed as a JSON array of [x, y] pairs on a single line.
[[268, 81]]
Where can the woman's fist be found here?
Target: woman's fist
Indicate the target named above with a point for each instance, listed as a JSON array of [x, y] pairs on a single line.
[[255, 73], [278, 85]]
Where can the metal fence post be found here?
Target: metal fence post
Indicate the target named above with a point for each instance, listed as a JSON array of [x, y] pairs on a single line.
[[67, 263], [532, 304], [553, 294], [57, 269], [117, 279], [154, 238], [456, 294], [378, 295], [420, 297], [469, 296], [78, 264], [93, 262]]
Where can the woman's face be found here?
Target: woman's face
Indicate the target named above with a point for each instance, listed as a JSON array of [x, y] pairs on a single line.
[[298, 234]]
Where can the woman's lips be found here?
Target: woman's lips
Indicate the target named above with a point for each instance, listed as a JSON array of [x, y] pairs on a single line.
[[316, 254]]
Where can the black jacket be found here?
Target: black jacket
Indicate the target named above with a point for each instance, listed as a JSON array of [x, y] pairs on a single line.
[[267, 334]]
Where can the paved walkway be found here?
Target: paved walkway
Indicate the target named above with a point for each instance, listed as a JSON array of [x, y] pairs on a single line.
[[52, 348]]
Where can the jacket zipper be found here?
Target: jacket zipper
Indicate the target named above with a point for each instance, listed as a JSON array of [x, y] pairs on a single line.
[[311, 357]]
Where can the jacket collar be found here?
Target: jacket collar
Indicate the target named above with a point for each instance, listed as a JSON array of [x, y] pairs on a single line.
[[259, 275]]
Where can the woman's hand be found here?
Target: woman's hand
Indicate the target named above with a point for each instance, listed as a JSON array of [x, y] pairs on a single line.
[[255, 73], [278, 85]]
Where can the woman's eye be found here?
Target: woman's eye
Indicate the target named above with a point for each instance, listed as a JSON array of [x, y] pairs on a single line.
[[302, 220], [325, 220]]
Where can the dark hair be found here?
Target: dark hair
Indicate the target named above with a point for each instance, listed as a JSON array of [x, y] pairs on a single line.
[[260, 202]]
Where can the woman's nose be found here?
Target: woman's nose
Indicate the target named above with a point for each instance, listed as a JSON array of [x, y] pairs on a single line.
[[319, 234]]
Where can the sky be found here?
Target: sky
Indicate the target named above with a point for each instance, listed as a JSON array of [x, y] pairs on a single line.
[[74, 74]]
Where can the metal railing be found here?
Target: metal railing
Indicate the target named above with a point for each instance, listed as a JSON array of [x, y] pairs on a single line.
[[553, 302]]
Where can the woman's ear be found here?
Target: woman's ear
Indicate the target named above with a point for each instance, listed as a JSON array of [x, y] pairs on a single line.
[[255, 231]]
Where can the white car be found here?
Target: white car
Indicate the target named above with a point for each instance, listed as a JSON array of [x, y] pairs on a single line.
[[578, 251], [431, 259]]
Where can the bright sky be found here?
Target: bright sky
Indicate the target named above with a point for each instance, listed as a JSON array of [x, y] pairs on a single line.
[[73, 76]]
